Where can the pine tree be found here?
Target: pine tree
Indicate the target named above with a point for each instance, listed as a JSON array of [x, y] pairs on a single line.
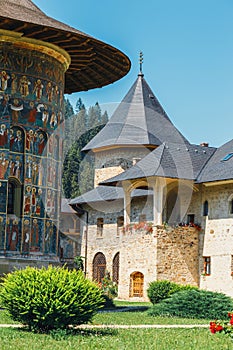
[[78, 170], [69, 111], [79, 105], [104, 118]]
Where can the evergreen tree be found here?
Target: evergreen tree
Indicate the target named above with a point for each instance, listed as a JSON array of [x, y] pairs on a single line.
[[98, 113], [86, 175], [92, 120], [104, 118], [79, 105], [78, 170], [68, 109]]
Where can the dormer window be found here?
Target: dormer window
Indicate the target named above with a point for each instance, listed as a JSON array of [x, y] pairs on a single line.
[[227, 157]]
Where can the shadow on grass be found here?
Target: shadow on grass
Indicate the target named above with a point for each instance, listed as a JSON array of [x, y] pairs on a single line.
[[60, 334], [125, 309]]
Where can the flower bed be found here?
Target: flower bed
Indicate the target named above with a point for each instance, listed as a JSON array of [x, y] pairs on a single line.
[[225, 327]]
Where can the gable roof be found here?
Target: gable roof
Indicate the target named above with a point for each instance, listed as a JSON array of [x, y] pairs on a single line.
[[65, 207], [138, 120], [104, 193], [218, 169], [93, 62], [170, 160]]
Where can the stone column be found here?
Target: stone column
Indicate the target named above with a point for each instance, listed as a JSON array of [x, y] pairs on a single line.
[[158, 186]]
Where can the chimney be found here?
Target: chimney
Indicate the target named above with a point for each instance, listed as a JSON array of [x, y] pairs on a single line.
[[135, 160], [204, 144]]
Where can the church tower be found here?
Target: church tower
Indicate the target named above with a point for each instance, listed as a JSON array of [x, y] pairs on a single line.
[[40, 59], [137, 127]]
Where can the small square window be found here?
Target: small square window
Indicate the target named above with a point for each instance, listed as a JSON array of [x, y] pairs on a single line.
[[190, 219], [120, 224], [207, 265], [100, 226]]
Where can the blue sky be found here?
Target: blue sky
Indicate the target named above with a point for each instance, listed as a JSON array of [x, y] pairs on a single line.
[[188, 56]]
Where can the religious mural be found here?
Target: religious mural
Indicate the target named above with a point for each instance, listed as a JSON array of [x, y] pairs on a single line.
[[3, 196], [2, 232], [31, 115]]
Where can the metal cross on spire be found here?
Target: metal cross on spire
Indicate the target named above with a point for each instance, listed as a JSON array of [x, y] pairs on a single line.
[[140, 61]]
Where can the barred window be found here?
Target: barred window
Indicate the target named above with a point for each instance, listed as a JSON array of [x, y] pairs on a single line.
[[99, 267], [115, 268]]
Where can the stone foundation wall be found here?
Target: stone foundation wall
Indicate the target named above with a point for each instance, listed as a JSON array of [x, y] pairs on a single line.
[[164, 254], [178, 255]]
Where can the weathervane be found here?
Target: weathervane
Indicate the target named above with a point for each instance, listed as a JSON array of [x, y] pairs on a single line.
[[141, 60]]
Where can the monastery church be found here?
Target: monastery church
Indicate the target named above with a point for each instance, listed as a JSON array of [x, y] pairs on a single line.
[[161, 208]]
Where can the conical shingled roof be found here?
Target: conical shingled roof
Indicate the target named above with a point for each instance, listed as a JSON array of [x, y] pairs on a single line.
[[138, 120], [93, 62]]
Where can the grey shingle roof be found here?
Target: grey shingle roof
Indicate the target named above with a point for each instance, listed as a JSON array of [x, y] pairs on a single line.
[[106, 193], [93, 62], [216, 169], [138, 120], [65, 207], [169, 160]]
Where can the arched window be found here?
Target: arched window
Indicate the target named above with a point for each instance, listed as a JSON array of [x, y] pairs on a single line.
[[115, 268], [136, 284], [205, 208], [99, 267], [230, 203], [14, 198], [231, 206]]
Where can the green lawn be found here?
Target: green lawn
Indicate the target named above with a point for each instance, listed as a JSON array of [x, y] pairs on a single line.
[[145, 339], [131, 318], [114, 339]]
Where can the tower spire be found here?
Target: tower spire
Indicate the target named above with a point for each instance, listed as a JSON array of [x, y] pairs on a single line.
[[140, 61]]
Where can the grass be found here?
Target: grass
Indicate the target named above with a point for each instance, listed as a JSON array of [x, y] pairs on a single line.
[[141, 317], [120, 303], [154, 339], [117, 339], [5, 319]]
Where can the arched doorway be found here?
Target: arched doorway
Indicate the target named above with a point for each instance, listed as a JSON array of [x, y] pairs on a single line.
[[115, 268], [136, 284], [99, 267]]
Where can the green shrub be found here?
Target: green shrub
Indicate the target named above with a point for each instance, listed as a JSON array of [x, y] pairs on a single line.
[[108, 287], [160, 290], [52, 298], [194, 303]]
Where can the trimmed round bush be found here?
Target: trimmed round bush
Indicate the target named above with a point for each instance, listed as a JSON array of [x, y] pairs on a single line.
[[160, 290], [50, 298], [194, 303]]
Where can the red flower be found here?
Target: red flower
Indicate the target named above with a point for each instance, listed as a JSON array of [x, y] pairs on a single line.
[[214, 327], [219, 328], [231, 320]]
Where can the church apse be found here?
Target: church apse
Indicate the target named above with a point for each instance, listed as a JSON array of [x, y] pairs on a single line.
[[31, 133]]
